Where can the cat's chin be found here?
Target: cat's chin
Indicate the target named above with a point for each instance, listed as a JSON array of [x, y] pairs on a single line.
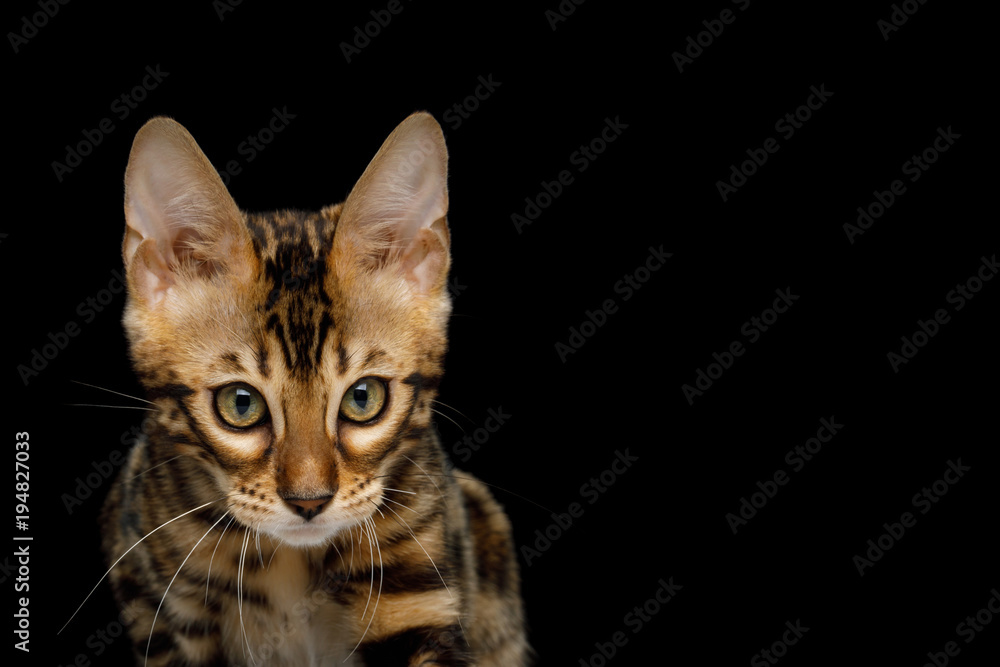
[[309, 534]]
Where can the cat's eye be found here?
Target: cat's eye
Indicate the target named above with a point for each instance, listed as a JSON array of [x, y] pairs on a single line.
[[240, 405], [363, 401]]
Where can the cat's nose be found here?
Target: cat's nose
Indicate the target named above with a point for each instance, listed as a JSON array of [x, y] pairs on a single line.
[[307, 508]]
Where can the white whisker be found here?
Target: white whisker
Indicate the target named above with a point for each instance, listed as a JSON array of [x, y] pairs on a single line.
[[209, 575], [425, 474], [112, 391], [350, 566], [119, 407], [158, 465], [451, 407], [371, 561], [433, 564], [396, 502], [381, 574], [472, 479], [441, 414], [398, 490], [334, 545], [174, 578], [280, 542], [127, 552], [239, 578]]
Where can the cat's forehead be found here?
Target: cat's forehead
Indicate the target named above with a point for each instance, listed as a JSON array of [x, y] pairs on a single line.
[[305, 307], [293, 254], [293, 239]]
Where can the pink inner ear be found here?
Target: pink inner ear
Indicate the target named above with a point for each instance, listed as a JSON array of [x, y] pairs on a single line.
[[395, 215], [176, 201], [149, 273], [425, 261]]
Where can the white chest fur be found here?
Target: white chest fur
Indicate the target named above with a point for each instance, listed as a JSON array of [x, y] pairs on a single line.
[[297, 624]]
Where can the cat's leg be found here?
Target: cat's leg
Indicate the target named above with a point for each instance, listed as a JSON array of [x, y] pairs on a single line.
[[195, 645], [144, 561], [185, 630], [409, 608], [497, 629], [425, 646]]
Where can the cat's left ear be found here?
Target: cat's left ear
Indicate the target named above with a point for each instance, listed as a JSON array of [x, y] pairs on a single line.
[[181, 222], [395, 215]]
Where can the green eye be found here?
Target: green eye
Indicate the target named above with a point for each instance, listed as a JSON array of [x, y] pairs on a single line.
[[240, 405], [364, 401]]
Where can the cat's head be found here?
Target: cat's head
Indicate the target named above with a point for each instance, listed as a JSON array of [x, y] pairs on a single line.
[[294, 355]]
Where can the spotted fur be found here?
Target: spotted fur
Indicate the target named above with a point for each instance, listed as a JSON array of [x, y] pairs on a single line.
[[308, 539]]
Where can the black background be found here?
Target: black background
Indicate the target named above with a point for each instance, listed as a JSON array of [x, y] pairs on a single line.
[[517, 293]]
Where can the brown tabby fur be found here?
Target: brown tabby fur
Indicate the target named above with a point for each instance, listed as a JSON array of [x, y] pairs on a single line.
[[410, 563]]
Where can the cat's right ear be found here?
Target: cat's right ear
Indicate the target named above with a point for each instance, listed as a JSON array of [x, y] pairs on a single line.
[[395, 216], [181, 221]]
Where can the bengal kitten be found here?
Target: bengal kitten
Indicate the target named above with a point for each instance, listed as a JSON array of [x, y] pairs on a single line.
[[293, 504]]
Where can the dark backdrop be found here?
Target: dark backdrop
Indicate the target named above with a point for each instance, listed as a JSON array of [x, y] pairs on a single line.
[[869, 97]]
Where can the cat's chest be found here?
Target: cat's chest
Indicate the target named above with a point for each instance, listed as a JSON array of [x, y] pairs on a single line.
[[289, 620]]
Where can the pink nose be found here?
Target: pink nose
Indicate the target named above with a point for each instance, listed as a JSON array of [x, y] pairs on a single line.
[[308, 507]]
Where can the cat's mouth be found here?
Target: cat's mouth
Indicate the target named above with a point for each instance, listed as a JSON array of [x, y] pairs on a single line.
[[299, 532], [303, 522]]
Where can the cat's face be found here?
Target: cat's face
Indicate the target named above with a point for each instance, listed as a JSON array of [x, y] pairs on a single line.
[[295, 355]]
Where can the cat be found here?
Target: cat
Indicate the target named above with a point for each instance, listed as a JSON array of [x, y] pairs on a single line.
[[293, 504]]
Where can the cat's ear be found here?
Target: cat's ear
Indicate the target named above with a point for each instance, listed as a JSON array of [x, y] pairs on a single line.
[[395, 215], [181, 221]]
